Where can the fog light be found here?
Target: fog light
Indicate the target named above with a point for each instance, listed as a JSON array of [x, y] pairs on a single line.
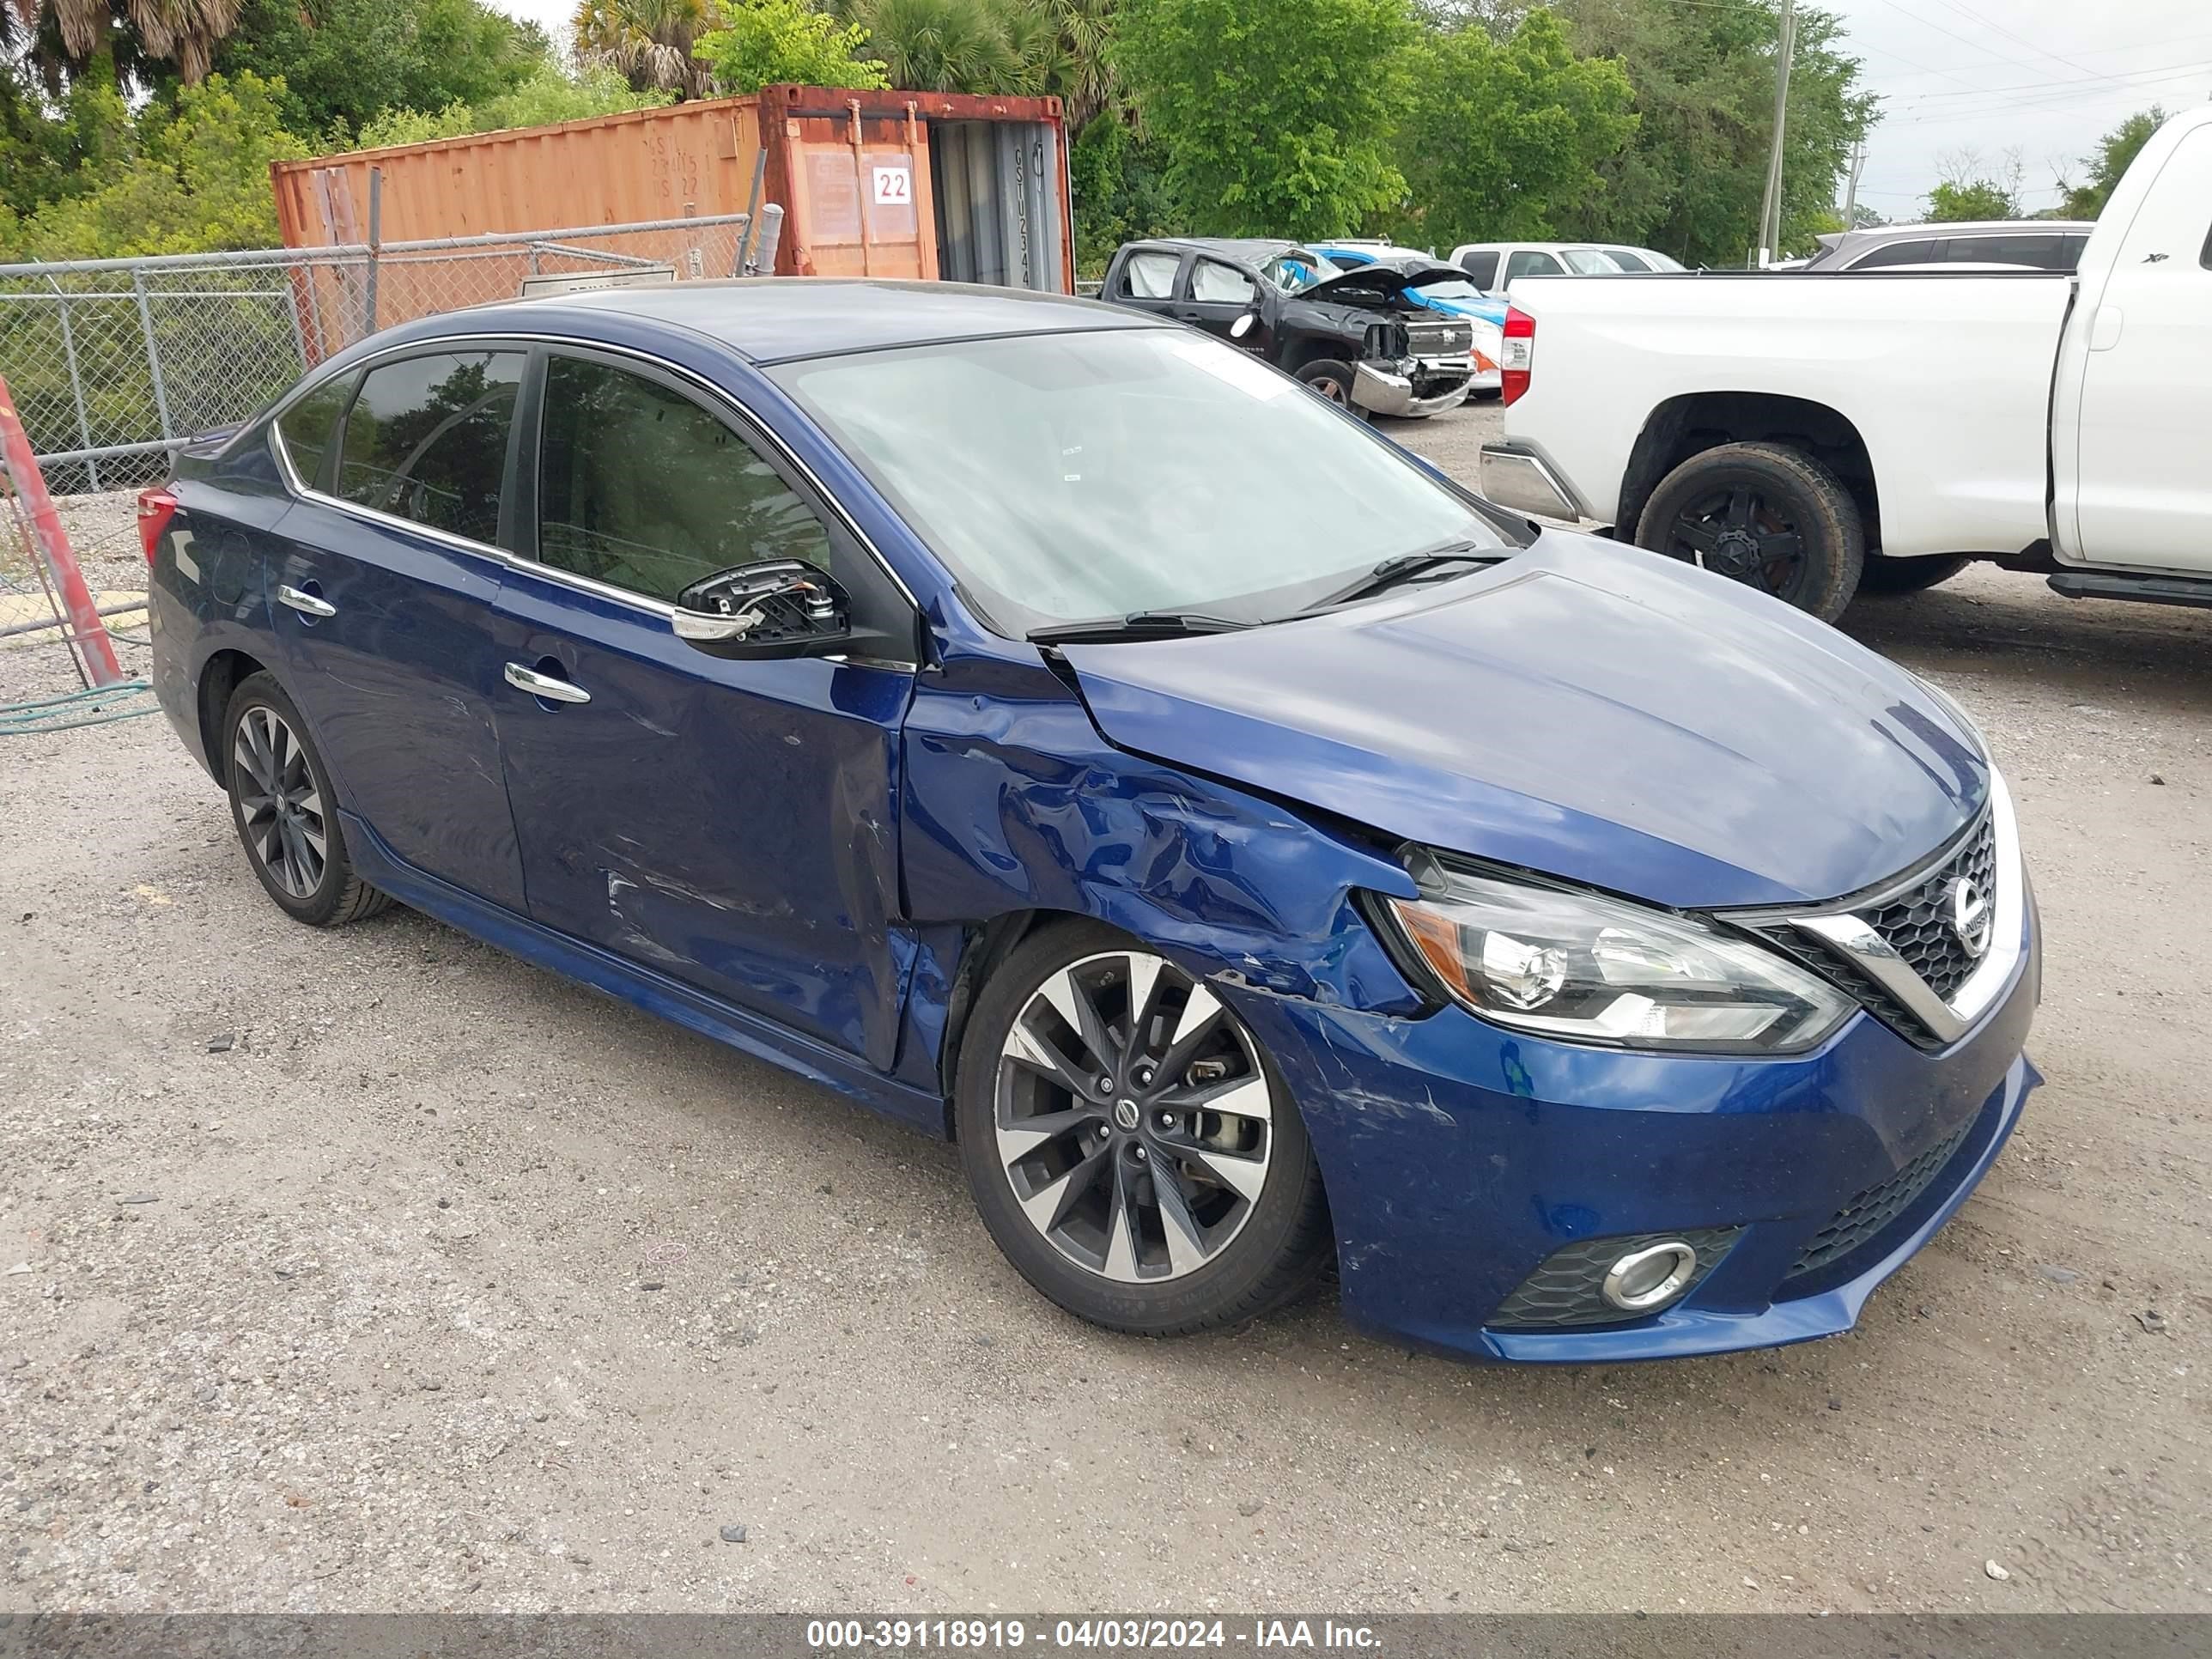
[[1651, 1277]]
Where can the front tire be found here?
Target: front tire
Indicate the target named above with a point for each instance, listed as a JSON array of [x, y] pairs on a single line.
[[1767, 516], [1332, 381], [284, 810], [1130, 1147]]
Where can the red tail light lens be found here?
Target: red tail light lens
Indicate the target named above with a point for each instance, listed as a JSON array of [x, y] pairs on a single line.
[[156, 507], [1518, 353]]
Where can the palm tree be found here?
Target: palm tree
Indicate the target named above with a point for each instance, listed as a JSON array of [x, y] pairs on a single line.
[[1087, 84], [985, 47], [647, 42], [73, 38]]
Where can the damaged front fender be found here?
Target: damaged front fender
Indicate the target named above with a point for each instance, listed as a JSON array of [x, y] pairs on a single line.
[[1014, 803]]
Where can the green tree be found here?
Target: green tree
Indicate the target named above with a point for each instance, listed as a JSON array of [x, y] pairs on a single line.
[[1690, 181], [763, 42], [2115, 151], [1119, 182], [1006, 47], [1275, 115], [1502, 137], [348, 61], [195, 182], [1972, 198], [550, 95]]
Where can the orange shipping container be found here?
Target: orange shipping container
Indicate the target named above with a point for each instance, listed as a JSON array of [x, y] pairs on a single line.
[[882, 184]]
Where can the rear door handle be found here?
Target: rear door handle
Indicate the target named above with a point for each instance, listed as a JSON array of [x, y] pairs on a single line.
[[544, 685], [307, 604]]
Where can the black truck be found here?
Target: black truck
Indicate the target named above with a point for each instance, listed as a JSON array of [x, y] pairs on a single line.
[[1353, 338]]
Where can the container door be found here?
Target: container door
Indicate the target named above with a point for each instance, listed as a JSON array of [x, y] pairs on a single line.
[[999, 208], [860, 190]]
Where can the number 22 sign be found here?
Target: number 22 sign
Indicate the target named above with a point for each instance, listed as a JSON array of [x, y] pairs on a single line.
[[894, 186]]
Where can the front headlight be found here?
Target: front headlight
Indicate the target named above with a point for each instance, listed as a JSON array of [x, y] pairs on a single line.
[[1595, 970]]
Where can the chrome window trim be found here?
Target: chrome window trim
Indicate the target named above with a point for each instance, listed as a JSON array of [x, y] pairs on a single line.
[[429, 343], [1844, 931]]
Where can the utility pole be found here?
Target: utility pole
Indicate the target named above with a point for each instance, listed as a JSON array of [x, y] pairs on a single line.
[[1769, 209], [1851, 190]]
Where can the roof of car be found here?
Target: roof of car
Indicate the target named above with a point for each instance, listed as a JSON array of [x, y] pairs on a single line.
[[1966, 226], [771, 319], [1253, 249]]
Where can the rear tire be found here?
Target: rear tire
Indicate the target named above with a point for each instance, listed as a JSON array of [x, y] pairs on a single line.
[[1183, 1197], [1909, 575], [285, 813], [1767, 516]]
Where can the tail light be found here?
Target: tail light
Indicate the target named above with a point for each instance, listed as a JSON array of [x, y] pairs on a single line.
[[1518, 359], [156, 507]]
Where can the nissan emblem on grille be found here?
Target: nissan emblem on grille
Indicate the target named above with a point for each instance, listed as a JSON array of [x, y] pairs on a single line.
[[1970, 917]]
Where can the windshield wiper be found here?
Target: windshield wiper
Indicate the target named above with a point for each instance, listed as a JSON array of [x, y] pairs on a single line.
[[1404, 567], [1137, 625]]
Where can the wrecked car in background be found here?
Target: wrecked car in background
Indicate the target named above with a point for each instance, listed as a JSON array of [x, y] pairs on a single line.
[[1357, 338]]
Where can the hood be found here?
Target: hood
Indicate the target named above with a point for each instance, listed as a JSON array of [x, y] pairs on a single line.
[[1389, 281], [1594, 712]]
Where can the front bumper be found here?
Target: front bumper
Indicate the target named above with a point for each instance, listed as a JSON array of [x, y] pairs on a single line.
[[1430, 387], [1458, 1156]]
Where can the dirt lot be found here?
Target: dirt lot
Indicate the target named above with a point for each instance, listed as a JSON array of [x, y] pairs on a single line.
[[374, 1269]]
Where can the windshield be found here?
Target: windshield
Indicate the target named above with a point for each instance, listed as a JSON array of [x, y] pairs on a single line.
[[1588, 262], [1063, 478]]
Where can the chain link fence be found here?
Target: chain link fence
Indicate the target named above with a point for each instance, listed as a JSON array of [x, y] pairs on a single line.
[[114, 362]]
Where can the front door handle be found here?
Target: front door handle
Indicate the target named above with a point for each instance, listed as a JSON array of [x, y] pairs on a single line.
[[307, 604], [544, 685]]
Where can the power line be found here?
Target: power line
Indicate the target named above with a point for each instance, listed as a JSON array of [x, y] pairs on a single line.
[[2134, 76]]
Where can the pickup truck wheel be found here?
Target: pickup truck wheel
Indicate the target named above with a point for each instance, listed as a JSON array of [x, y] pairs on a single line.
[[1764, 514], [1333, 381], [1909, 575]]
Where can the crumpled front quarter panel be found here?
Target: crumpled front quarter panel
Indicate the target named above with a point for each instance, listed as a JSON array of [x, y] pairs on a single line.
[[1014, 802]]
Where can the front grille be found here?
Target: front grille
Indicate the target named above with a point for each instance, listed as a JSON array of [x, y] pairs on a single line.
[[1918, 924], [1567, 1287], [1870, 1212], [1440, 339]]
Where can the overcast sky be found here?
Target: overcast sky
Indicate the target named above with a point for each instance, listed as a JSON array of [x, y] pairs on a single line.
[[2045, 77]]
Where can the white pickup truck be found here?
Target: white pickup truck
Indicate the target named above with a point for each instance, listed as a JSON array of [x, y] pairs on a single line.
[[1817, 434]]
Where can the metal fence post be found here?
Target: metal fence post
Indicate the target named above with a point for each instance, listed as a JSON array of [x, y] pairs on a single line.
[[153, 353], [76, 382], [375, 237]]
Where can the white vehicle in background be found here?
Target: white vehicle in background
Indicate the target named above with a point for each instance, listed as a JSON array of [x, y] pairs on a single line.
[[1816, 433], [1494, 267]]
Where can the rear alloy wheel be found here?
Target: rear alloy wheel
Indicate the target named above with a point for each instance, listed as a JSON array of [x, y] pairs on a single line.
[[1764, 514], [1128, 1144], [281, 803]]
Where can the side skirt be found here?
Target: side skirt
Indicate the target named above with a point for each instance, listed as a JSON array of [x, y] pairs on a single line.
[[626, 981]]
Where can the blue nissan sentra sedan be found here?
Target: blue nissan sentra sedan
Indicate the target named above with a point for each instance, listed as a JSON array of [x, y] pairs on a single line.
[[1067, 734]]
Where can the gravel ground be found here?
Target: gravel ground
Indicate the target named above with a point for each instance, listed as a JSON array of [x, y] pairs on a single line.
[[374, 1269]]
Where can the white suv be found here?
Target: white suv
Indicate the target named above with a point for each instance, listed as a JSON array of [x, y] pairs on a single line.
[[1492, 266]]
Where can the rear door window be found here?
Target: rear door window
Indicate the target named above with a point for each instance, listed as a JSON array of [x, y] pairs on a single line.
[[426, 439], [1916, 252], [1150, 276], [308, 425], [1481, 269], [2042, 249]]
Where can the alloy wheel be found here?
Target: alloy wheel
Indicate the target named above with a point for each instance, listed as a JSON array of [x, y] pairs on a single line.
[[1737, 533], [1135, 1122], [279, 805]]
